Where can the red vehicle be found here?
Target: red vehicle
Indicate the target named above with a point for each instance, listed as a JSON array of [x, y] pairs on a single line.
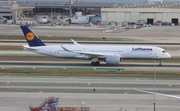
[[48, 104], [80, 106]]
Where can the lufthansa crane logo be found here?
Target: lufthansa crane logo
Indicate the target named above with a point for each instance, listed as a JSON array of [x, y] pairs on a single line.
[[30, 36]]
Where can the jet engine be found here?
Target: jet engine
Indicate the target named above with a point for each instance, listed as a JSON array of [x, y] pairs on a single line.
[[112, 59]]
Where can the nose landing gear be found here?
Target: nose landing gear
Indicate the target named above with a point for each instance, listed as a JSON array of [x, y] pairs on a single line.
[[160, 63], [95, 63]]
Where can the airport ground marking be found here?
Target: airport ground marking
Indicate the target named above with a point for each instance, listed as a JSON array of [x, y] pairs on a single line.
[[7, 83], [71, 78], [3, 67], [89, 84], [40, 91]]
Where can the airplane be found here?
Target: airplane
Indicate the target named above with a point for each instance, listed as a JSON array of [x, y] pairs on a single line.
[[112, 55], [166, 95]]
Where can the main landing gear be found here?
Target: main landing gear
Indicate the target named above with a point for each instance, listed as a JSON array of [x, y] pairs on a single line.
[[160, 63], [95, 62]]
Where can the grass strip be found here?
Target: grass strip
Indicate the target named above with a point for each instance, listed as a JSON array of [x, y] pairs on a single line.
[[17, 48], [136, 74]]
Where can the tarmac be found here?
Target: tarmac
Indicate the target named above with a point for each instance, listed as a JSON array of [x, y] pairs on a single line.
[[124, 100], [20, 101], [104, 101], [151, 34]]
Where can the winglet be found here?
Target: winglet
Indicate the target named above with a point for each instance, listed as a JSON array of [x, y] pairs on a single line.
[[74, 42]]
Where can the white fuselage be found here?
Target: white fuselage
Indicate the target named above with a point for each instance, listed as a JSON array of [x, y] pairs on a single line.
[[125, 52]]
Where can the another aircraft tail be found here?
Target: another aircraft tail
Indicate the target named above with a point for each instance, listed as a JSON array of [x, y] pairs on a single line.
[[32, 39]]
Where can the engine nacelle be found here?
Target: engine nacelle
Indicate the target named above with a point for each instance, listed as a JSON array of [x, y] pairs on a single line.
[[112, 59]]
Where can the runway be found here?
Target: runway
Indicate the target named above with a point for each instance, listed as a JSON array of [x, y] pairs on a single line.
[[86, 64], [128, 66], [102, 98]]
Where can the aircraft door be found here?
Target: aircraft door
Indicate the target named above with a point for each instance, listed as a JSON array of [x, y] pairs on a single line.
[[83, 49], [54, 52], [51, 51], [155, 53], [128, 51]]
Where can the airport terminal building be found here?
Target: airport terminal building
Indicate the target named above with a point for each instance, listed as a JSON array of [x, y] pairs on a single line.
[[151, 15], [86, 1], [8, 10], [100, 1], [125, 10]]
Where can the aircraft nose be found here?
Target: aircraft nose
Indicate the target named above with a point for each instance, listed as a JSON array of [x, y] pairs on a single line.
[[168, 55]]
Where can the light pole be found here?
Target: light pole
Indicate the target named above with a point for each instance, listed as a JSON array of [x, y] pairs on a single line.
[[154, 84], [70, 7], [51, 9], [161, 1]]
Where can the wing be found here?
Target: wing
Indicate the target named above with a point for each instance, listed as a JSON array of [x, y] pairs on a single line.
[[85, 53], [166, 95]]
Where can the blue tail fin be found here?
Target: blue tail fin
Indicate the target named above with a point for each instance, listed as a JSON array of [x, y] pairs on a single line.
[[32, 39]]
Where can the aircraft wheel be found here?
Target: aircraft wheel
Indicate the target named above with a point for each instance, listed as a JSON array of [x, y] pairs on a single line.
[[95, 63], [92, 63], [160, 64]]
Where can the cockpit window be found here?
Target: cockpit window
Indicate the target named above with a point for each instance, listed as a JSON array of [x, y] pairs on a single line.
[[163, 51]]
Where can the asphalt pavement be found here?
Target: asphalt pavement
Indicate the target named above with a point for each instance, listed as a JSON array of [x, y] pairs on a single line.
[[97, 101]]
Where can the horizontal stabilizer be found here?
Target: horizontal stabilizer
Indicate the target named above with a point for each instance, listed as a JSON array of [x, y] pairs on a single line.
[[75, 42]]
